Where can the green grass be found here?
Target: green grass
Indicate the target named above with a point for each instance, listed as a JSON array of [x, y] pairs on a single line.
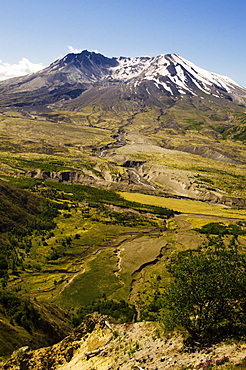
[[11, 337], [63, 261], [105, 275], [186, 206], [98, 280]]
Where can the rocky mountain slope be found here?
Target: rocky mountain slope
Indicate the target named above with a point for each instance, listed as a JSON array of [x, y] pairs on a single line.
[[90, 77], [98, 344]]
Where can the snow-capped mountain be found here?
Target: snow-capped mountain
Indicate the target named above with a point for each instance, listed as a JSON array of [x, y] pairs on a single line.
[[82, 76]]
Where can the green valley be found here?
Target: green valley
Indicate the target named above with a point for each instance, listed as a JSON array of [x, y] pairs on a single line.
[[94, 203]]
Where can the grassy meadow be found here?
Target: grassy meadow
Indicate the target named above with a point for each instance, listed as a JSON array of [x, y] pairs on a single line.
[[187, 206]]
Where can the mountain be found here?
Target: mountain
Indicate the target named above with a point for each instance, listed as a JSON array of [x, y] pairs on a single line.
[[77, 80]]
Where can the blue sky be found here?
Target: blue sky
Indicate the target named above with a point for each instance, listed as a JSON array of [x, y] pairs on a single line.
[[209, 33]]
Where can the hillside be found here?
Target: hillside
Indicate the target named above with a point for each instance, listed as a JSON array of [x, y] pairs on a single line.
[[23, 321], [101, 344], [17, 207]]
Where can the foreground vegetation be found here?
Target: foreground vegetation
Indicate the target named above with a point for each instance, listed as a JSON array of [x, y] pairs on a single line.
[[211, 282]]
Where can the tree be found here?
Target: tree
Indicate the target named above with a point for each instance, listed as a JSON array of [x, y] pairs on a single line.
[[207, 293]]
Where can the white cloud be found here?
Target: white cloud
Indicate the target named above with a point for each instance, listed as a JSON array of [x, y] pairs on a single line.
[[23, 67], [73, 50]]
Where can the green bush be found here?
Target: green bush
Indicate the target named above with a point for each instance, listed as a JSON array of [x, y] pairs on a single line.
[[121, 311], [218, 228], [207, 294]]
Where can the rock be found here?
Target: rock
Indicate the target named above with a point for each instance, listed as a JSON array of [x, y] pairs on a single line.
[[93, 346]]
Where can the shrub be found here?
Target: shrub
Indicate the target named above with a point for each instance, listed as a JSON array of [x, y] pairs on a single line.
[[121, 311], [218, 228], [207, 294]]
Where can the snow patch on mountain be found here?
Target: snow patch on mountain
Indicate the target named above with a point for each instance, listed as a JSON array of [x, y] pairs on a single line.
[[129, 68], [204, 77], [168, 70]]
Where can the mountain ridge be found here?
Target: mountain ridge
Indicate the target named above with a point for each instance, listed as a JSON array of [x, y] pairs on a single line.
[[161, 77]]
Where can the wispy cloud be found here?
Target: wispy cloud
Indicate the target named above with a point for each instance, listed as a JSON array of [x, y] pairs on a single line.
[[74, 50], [23, 67]]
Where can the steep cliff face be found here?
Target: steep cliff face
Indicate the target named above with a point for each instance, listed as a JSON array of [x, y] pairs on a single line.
[[98, 344]]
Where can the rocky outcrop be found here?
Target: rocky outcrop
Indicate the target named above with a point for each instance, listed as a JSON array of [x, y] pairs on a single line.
[[179, 183], [214, 197], [210, 153], [130, 164], [60, 176], [143, 176], [100, 345], [53, 357]]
